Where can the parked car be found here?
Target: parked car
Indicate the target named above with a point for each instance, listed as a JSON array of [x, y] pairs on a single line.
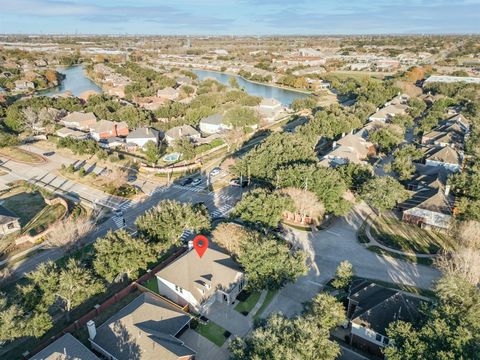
[[196, 181], [131, 177], [185, 181], [49, 153], [215, 171], [236, 182]]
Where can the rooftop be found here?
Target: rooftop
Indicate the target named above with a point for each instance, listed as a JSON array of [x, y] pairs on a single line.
[[65, 348]]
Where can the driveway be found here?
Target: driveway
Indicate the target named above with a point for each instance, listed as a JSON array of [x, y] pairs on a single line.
[[326, 249], [206, 350], [228, 318]]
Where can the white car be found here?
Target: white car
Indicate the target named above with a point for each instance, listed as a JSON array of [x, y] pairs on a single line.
[[196, 181], [215, 171]]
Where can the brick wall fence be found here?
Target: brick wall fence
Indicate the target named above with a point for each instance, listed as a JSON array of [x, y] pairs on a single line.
[[77, 324]]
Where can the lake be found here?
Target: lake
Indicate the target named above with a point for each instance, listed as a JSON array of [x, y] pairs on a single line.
[[75, 81], [266, 91]]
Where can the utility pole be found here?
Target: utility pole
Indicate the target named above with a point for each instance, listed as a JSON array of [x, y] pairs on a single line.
[[305, 189]]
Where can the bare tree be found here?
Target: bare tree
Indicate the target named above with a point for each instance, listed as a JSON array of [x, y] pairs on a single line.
[[233, 138], [306, 203], [115, 177], [465, 259], [32, 122], [230, 236], [68, 233]]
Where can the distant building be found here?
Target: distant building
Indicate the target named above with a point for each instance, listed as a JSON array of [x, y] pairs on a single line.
[[269, 109], [181, 132], [112, 142], [79, 120], [213, 124], [9, 222], [141, 136], [71, 133], [451, 79], [352, 148], [24, 85], [145, 329], [446, 157], [105, 129], [199, 282], [65, 348], [372, 308]]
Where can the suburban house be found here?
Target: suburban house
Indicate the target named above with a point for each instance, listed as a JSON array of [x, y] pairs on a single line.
[[351, 148], [79, 120], [105, 129], [213, 124], [168, 93], [269, 109], [451, 132], [9, 222], [200, 281], [141, 136], [181, 132], [430, 203], [146, 329], [371, 309], [66, 347], [23, 85], [72, 133], [389, 112], [446, 157], [111, 142]]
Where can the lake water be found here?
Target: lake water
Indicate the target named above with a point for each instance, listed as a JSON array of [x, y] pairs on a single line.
[[75, 81], [284, 96]]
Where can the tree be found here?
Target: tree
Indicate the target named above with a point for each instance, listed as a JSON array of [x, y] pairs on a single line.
[[269, 263], [402, 164], [301, 104], [69, 233], [343, 275], [450, 329], [416, 107], [240, 116], [301, 338], [383, 193], [305, 203], [233, 82], [152, 152], [31, 121], [404, 121], [166, 222], [186, 148], [387, 137], [262, 207], [75, 285], [230, 236], [355, 175], [118, 254]]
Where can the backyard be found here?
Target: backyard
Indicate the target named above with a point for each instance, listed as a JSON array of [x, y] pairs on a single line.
[[213, 332], [399, 235]]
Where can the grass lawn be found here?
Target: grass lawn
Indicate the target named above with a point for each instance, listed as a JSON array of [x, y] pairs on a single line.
[[268, 299], [26, 205], [407, 237], [49, 215], [247, 304], [152, 284], [21, 155], [213, 332], [411, 258]]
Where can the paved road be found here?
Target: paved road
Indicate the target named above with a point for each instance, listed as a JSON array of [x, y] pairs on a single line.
[[218, 204], [326, 249]]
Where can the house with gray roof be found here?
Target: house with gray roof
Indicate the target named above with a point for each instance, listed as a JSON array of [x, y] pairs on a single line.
[[146, 329], [65, 348], [9, 222], [181, 132], [79, 120], [141, 136], [446, 157], [372, 308], [213, 124], [200, 281]]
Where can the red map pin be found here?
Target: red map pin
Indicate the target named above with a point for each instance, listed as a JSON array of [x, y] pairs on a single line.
[[200, 244]]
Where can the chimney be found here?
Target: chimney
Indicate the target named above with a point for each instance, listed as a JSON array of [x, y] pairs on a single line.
[[447, 190], [190, 245], [334, 145], [92, 330]]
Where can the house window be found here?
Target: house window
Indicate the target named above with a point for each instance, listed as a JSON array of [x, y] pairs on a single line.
[[178, 289], [11, 225], [378, 337], [385, 340]]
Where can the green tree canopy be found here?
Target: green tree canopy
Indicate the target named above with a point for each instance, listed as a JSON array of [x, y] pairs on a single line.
[[118, 253], [240, 116], [402, 164], [262, 207], [166, 222], [387, 137], [383, 193]]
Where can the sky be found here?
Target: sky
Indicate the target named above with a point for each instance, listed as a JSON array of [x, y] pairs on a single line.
[[239, 17]]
